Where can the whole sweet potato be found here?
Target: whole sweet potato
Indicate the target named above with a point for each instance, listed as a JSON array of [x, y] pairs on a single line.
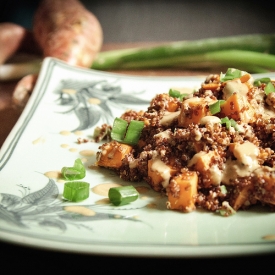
[[68, 31], [11, 39]]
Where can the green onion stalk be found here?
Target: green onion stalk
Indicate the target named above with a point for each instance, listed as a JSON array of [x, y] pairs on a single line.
[[254, 53]]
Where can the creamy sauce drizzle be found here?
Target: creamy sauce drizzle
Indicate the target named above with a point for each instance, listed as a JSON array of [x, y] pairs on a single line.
[[133, 164], [162, 169], [209, 120], [94, 101], [65, 133], [84, 160], [164, 134], [245, 164], [151, 206], [73, 150], [269, 112], [65, 146], [142, 189], [39, 140], [80, 210], [215, 174], [103, 188], [269, 237], [78, 133], [87, 153], [53, 174], [234, 86], [103, 201], [247, 153], [169, 117], [69, 91]]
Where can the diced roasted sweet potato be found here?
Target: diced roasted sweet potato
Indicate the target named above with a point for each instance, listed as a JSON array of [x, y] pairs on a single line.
[[244, 78], [238, 108], [264, 182], [112, 154], [159, 173], [241, 197], [203, 163], [210, 86], [172, 106], [182, 191], [193, 110], [202, 160], [198, 146]]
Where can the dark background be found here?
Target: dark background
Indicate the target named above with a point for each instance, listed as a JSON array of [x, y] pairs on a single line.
[[162, 20]]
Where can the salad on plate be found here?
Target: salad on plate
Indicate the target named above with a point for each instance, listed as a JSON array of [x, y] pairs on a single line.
[[210, 149]]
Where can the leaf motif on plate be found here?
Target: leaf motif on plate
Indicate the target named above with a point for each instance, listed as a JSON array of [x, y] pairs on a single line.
[[98, 216], [53, 223], [10, 216], [9, 199], [43, 208], [92, 101], [45, 195], [87, 118]]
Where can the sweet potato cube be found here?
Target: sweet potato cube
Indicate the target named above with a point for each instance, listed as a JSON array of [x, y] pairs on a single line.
[[238, 108], [203, 163], [159, 173], [182, 191], [264, 182], [241, 197], [198, 146], [112, 154], [172, 106], [193, 110]]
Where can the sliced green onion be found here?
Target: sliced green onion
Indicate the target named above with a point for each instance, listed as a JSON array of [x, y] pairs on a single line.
[[119, 129], [182, 96], [177, 94], [79, 166], [269, 88], [216, 107], [229, 123], [76, 172], [122, 195], [234, 124], [259, 81], [76, 191], [230, 74], [226, 121], [174, 93], [122, 132], [223, 189], [133, 132], [70, 173]]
